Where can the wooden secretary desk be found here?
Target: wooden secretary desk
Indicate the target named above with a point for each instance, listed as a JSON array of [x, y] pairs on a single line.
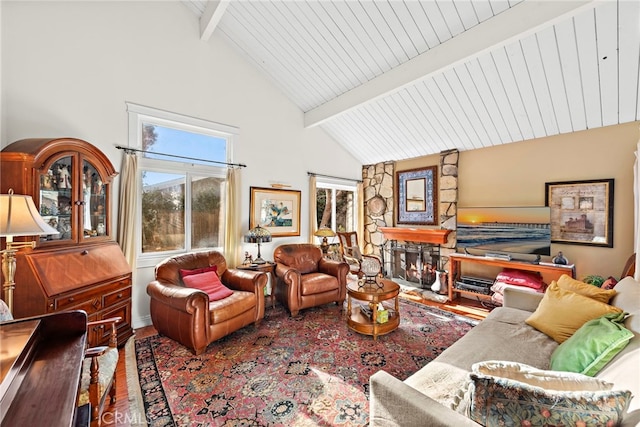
[[82, 267]]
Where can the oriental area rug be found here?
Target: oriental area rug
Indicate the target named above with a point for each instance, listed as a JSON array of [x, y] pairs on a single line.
[[308, 370]]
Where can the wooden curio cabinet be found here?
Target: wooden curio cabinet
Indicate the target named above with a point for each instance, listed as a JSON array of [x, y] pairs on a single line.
[[81, 268]]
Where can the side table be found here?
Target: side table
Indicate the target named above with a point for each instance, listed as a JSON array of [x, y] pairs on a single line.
[[382, 290], [268, 268]]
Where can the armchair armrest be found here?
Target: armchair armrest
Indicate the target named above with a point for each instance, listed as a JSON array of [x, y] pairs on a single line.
[[245, 280], [181, 314], [334, 268], [96, 351], [101, 324], [287, 274], [394, 403], [351, 260], [177, 297]]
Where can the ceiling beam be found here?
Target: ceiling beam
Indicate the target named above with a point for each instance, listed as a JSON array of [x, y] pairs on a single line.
[[516, 22], [211, 17]]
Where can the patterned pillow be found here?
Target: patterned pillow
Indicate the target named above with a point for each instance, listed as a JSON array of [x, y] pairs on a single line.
[[496, 400], [5, 313], [353, 251]]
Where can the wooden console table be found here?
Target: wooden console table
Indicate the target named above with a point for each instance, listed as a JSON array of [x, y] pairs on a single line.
[[553, 271]]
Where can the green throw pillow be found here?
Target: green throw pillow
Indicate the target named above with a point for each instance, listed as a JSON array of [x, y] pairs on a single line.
[[592, 346]]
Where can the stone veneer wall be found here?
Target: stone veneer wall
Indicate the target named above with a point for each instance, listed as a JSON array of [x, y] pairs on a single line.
[[378, 182]]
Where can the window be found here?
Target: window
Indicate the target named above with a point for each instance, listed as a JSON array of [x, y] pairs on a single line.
[[336, 204], [183, 176]]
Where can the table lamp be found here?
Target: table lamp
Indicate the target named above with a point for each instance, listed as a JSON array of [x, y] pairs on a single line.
[[324, 232], [18, 217], [258, 235]]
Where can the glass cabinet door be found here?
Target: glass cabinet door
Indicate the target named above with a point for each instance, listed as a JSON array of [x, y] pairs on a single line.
[[56, 200], [73, 200], [94, 202]]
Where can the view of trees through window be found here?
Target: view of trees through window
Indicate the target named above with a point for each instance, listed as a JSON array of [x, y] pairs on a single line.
[[335, 208], [176, 201]]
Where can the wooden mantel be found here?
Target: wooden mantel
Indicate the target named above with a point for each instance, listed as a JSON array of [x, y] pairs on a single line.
[[418, 235]]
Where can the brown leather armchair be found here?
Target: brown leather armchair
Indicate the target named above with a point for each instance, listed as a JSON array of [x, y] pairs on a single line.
[[304, 278], [186, 314]]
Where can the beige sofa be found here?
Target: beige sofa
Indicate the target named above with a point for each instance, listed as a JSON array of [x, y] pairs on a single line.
[[426, 397]]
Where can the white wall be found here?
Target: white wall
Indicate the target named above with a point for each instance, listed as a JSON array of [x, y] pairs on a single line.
[[69, 67]]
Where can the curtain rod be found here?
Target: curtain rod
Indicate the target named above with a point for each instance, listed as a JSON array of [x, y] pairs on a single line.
[[334, 177], [240, 165]]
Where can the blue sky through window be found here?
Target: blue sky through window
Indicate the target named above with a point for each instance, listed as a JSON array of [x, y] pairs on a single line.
[[188, 144]]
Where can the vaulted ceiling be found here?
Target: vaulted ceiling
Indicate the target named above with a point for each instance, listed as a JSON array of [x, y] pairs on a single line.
[[398, 79]]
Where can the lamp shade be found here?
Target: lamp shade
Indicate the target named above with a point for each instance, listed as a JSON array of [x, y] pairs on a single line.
[[19, 217], [324, 231], [257, 235]]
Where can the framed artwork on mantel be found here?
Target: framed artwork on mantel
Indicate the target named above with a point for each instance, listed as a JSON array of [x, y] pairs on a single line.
[[276, 210], [581, 212], [417, 196]]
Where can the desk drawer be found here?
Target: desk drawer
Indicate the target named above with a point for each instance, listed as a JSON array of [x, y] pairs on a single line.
[[118, 295], [87, 301]]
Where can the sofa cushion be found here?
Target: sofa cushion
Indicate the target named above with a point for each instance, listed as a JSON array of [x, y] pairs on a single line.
[[512, 394], [592, 346], [209, 283], [232, 306], [502, 335], [593, 292], [562, 312], [316, 283]]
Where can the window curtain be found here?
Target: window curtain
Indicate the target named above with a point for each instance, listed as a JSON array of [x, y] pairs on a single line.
[[313, 208], [128, 208], [232, 220], [636, 211]]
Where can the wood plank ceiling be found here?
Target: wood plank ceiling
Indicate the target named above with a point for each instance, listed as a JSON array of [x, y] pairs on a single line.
[[398, 79]]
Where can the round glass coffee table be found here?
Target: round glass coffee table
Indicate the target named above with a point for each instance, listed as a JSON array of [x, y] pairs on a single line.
[[370, 294]]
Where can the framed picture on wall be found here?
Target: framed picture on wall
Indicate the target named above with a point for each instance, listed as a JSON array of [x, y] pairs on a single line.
[[417, 196], [581, 212], [276, 210]]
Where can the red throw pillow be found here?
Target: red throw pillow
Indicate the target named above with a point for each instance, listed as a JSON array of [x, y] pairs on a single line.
[[209, 283], [185, 273], [528, 279], [610, 283]]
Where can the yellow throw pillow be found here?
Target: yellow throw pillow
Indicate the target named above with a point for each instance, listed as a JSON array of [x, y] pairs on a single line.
[[567, 283], [562, 312]]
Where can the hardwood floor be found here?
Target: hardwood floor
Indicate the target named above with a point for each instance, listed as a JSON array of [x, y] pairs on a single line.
[[119, 415]]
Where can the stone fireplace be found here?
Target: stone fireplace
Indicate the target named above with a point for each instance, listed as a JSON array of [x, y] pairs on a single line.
[[379, 204]]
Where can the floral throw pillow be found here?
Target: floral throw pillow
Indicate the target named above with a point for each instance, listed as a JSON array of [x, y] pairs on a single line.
[[5, 313], [504, 401]]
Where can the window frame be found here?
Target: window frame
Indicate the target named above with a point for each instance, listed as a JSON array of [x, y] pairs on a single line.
[[140, 115], [338, 184]]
